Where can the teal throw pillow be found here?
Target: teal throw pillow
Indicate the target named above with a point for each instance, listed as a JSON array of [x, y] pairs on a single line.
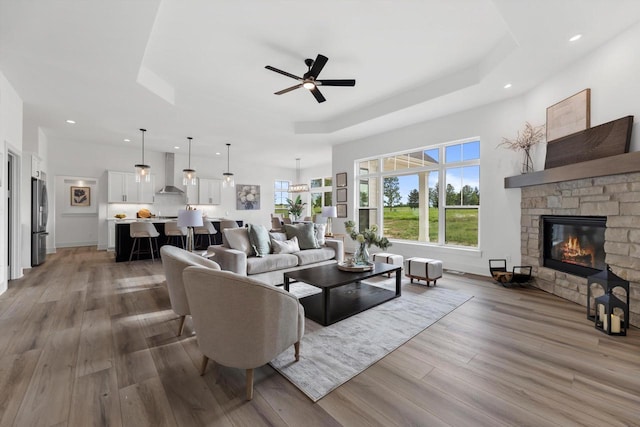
[[304, 232], [259, 239]]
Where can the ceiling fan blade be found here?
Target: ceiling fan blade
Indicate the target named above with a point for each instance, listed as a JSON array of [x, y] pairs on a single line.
[[289, 89], [284, 73], [316, 93], [347, 82], [317, 66]]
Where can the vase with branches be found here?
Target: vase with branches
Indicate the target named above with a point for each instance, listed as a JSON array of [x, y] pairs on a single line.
[[524, 141]]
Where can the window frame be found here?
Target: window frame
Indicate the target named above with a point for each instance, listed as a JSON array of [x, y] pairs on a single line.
[[440, 167]]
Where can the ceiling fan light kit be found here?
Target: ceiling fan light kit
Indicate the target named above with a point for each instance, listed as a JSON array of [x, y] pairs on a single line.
[[309, 80]]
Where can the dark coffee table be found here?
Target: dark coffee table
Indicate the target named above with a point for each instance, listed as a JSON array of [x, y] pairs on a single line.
[[343, 293]]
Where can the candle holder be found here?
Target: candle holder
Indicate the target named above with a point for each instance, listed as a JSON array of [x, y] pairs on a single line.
[[605, 316]]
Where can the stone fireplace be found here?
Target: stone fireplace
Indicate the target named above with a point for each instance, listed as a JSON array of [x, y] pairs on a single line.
[[616, 198]]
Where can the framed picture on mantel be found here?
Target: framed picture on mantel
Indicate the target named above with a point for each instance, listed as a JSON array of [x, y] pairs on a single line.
[[569, 116]]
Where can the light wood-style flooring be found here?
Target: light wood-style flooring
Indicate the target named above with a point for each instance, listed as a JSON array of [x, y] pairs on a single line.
[[88, 342]]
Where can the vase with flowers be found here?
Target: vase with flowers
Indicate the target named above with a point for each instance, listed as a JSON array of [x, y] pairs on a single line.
[[525, 140], [365, 239]]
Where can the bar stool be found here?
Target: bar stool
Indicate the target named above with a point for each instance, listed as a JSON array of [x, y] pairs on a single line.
[[143, 230], [173, 232], [207, 229]]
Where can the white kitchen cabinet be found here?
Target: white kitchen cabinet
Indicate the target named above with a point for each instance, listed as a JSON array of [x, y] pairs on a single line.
[[209, 191], [123, 188]]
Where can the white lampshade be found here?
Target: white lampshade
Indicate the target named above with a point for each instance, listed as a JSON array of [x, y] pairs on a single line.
[[329, 211], [189, 218]]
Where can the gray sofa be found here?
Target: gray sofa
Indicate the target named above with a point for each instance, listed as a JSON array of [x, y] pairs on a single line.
[[237, 255]]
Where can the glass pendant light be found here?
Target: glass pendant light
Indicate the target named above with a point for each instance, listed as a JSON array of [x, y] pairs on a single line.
[[227, 177], [298, 188], [143, 172], [189, 175]]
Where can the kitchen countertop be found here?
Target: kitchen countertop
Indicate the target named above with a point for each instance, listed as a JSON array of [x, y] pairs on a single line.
[[157, 219]]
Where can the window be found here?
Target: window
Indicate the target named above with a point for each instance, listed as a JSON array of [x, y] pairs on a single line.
[[426, 195], [321, 194], [281, 194]]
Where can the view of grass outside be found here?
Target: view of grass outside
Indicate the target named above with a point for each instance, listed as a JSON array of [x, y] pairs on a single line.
[[403, 222], [461, 227]]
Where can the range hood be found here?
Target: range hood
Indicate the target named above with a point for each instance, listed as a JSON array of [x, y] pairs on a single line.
[[169, 174]]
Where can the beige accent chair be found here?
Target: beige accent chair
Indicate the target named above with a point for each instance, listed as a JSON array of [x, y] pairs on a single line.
[[286, 220], [240, 322], [139, 230], [276, 223], [174, 261], [171, 230]]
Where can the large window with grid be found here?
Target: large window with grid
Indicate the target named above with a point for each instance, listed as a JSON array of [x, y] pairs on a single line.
[[430, 194], [281, 194], [321, 194]]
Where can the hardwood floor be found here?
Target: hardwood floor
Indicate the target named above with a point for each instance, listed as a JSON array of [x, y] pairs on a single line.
[[88, 342]]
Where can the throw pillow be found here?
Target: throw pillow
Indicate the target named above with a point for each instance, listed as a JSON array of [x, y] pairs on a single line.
[[259, 239], [286, 247], [320, 229], [278, 236], [238, 239], [305, 234]]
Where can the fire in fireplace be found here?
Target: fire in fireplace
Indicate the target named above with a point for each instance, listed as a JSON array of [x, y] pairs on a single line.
[[574, 244]]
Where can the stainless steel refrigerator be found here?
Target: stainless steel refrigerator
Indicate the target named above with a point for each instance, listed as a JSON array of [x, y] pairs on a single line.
[[39, 214]]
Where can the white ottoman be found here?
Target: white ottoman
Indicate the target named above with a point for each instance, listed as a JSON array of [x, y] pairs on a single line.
[[388, 258], [423, 269]]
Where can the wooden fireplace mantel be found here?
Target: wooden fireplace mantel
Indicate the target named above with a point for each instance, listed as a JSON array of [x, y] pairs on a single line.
[[613, 165]]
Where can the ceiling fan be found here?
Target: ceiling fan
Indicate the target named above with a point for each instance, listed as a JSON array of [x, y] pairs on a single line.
[[309, 79]]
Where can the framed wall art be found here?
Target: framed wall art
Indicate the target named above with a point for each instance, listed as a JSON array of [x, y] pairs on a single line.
[[341, 179], [80, 196], [341, 195], [342, 210], [248, 197], [569, 116]]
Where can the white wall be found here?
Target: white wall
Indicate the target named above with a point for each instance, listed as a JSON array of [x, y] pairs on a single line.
[[611, 73], [11, 140], [93, 162]]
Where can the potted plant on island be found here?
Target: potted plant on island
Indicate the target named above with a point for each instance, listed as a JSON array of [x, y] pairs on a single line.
[[365, 239]]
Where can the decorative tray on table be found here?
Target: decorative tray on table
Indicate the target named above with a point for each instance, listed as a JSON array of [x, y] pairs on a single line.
[[355, 268]]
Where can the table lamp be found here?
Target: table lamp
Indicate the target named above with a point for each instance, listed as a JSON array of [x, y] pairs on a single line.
[[190, 218], [329, 212]]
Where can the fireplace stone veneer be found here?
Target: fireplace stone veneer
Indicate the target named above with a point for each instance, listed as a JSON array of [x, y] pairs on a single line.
[[618, 198]]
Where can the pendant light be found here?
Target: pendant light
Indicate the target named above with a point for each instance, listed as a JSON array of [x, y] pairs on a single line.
[[189, 175], [298, 188], [227, 177], [143, 172]]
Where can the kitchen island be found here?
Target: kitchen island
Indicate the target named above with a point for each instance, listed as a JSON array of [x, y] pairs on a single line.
[[124, 240]]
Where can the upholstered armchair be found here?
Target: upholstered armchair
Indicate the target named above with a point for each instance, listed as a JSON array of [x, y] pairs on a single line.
[[240, 322], [174, 261]]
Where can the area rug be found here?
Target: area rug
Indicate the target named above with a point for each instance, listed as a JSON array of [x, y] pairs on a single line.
[[332, 355]]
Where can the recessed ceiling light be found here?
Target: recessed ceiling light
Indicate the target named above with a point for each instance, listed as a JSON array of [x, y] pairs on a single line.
[[176, 147], [71, 122], [127, 140], [217, 154], [575, 38], [507, 86]]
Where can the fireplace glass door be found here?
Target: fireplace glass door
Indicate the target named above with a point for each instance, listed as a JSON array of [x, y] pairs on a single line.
[[574, 244]]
